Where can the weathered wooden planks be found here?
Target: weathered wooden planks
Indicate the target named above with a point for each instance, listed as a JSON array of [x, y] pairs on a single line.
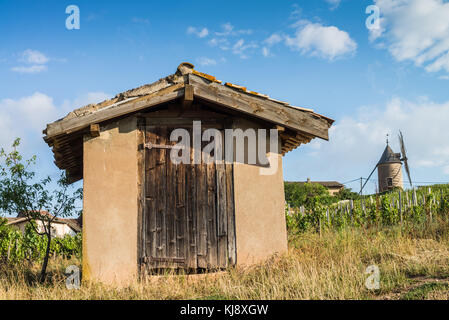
[[170, 196], [307, 122], [201, 213], [211, 215], [188, 96], [181, 213], [189, 210], [151, 194], [222, 209], [95, 130], [74, 124], [231, 255]]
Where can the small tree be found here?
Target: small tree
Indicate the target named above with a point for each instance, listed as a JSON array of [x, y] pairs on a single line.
[[20, 192], [347, 194], [307, 195]]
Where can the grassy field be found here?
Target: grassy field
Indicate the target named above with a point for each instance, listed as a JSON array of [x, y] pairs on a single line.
[[413, 263]]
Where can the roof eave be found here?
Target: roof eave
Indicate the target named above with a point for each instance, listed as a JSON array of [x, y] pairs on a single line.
[[258, 106], [303, 124]]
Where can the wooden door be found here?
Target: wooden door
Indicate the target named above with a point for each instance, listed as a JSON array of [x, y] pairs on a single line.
[[188, 215]]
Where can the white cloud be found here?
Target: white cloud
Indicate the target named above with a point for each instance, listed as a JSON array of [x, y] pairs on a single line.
[[29, 69], [238, 44], [415, 30], [273, 39], [296, 13], [313, 39], [224, 39], [333, 3], [35, 62], [35, 111], [229, 30], [204, 61], [240, 48], [25, 115], [357, 141], [327, 42], [201, 33], [222, 43], [266, 52], [33, 57]]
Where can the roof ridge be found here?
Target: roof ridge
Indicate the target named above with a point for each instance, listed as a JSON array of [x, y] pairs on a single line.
[[183, 70]]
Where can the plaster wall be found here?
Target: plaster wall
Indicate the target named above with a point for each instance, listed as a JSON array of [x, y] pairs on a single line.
[[110, 214], [259, 209]]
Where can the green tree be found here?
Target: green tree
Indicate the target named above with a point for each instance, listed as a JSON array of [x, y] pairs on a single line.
[[21, 192], [307, 195], [347, 194]]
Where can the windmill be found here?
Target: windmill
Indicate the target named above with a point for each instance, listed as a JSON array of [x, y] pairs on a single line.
[[389, 168]]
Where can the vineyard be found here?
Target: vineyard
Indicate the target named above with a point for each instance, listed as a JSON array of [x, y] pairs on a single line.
[[17, 247], [415, 206], [331, 242]]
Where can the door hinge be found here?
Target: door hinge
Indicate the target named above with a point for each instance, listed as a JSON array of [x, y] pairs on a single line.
[[150, 145]]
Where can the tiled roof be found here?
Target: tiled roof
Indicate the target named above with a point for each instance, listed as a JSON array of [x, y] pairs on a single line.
[[184, 68]]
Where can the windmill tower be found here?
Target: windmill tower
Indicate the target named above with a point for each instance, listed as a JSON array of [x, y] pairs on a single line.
[[389, 168]]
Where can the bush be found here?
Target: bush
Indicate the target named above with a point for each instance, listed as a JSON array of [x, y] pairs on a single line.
[[17, 247], [347, 194], [307, 195]]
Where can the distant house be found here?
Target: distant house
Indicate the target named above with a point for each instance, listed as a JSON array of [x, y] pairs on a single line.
[[60, 227], [332, 186]]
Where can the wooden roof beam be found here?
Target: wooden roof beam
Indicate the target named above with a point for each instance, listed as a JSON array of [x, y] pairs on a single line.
[[294, 119], [74, 124]]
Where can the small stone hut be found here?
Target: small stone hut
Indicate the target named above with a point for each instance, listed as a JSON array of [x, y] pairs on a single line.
[[143, 211]]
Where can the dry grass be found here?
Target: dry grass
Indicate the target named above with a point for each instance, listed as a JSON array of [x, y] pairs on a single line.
[[330, 266]]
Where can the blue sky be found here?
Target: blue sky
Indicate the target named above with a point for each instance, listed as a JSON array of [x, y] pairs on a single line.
[[316, 53]]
